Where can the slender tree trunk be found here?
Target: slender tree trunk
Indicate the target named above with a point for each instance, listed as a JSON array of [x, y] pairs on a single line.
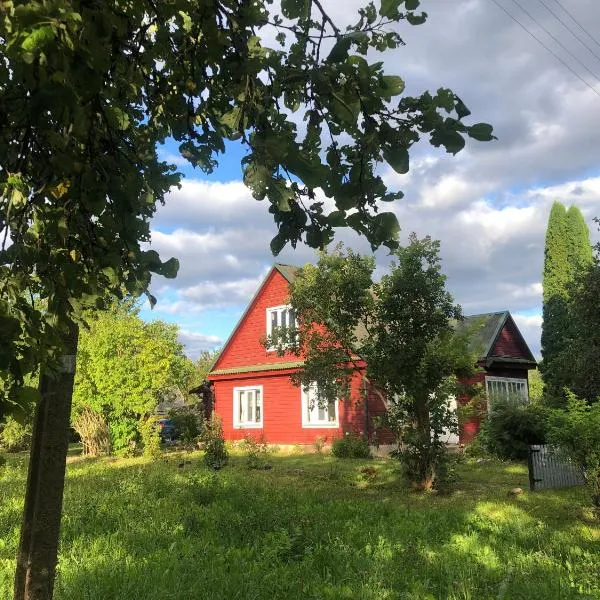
[[423, 419], [40, 529]]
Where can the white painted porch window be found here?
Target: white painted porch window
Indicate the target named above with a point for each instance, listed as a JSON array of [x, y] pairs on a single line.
[[506, 389], [248, 406], [317, 411]]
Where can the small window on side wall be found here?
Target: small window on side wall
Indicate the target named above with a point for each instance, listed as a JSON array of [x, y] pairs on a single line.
[[248, 407], [318, 411]]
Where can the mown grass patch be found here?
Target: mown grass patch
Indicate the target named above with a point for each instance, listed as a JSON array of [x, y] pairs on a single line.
[[311, 527]]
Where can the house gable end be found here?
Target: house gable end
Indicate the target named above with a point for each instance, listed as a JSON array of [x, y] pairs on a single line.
[[244, 348], [509, 343]]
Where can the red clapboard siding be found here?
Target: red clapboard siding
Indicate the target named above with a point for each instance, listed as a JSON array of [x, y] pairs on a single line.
[[244, 347], [282, 410], [509, 343]]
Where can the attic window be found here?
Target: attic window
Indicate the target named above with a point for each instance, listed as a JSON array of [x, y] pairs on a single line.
[[506, 390], [280, 317]]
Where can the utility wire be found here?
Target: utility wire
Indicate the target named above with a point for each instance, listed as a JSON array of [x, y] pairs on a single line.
[[565, 10], [573, 33], [547, 48], [544, 28]]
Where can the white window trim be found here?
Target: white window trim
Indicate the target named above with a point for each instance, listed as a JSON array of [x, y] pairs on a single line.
[[307, 424], [269, 311], [236, 421], [489, 378]]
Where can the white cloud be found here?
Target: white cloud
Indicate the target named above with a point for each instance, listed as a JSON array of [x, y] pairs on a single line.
[[488, 205], [196, 343]]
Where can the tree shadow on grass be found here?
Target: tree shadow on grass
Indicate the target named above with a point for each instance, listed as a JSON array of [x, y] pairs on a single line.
[[311, 528]]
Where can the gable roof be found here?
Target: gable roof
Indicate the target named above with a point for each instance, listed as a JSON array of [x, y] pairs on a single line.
[[487, 329], [287, 271]]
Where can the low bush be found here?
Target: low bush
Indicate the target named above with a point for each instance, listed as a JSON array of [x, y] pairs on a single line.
[[576, 431], [257, 451], [150, 435], [215, 452], [188, 423], [510, 428], [93, 432], [351, 446], [15, 436]]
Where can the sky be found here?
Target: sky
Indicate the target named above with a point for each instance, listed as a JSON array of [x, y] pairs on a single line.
[[488, 205]]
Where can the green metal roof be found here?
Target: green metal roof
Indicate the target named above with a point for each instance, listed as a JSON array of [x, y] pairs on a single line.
[[485, 329], [280, 366], [288, 271]]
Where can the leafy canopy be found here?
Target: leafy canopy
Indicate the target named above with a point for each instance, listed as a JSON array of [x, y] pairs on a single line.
[[125, 366], [89, 89], [400, 332]]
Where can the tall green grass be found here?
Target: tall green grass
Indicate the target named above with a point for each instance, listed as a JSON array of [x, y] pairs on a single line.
[[310, 528]]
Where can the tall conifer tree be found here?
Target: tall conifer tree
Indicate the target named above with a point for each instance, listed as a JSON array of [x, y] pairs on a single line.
[[568, 251], [580, 248]]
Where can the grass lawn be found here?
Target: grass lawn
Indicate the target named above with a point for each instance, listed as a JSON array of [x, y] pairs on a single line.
[[310, 528]]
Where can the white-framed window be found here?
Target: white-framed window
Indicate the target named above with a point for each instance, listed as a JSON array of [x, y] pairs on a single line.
[[506, 389], [248, 406], [317, 411], [280, 317]]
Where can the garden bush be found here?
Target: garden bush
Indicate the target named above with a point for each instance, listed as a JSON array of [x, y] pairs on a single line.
[[15, 436], [93, 432], [215, 452], [576, 431], [188, 423], [351, 446], [150, 435], [510, 428], [257, 451]]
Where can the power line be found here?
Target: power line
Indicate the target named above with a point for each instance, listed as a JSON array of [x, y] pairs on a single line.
[[547, 48], [573, 33], [565, 10], [544, 28]]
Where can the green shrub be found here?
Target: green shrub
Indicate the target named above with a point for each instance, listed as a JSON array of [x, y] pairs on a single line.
[[576, 431], [15, 436], [215, 452], [187, 422], [150, 437], [351, 446], [510, 428], [124, 436], [257, 451]]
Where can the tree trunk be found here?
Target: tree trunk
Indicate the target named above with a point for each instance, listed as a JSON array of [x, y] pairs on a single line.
[[423, 421], [40, 529]]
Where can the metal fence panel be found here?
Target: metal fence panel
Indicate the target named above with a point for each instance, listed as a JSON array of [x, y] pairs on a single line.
[[549, 468]]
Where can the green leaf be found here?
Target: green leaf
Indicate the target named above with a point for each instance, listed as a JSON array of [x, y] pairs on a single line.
[[170, 268], [294, 9], [389, 8], [481, 132], [397, 158], [337, 218], [339, 52], [452, 141], [278, 244], [416, 19], [386, 226], [38, 38], [394, 84], [412, 4], [461, 110]]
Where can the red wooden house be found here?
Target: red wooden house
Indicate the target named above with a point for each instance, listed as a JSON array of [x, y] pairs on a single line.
[[253, 392]]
